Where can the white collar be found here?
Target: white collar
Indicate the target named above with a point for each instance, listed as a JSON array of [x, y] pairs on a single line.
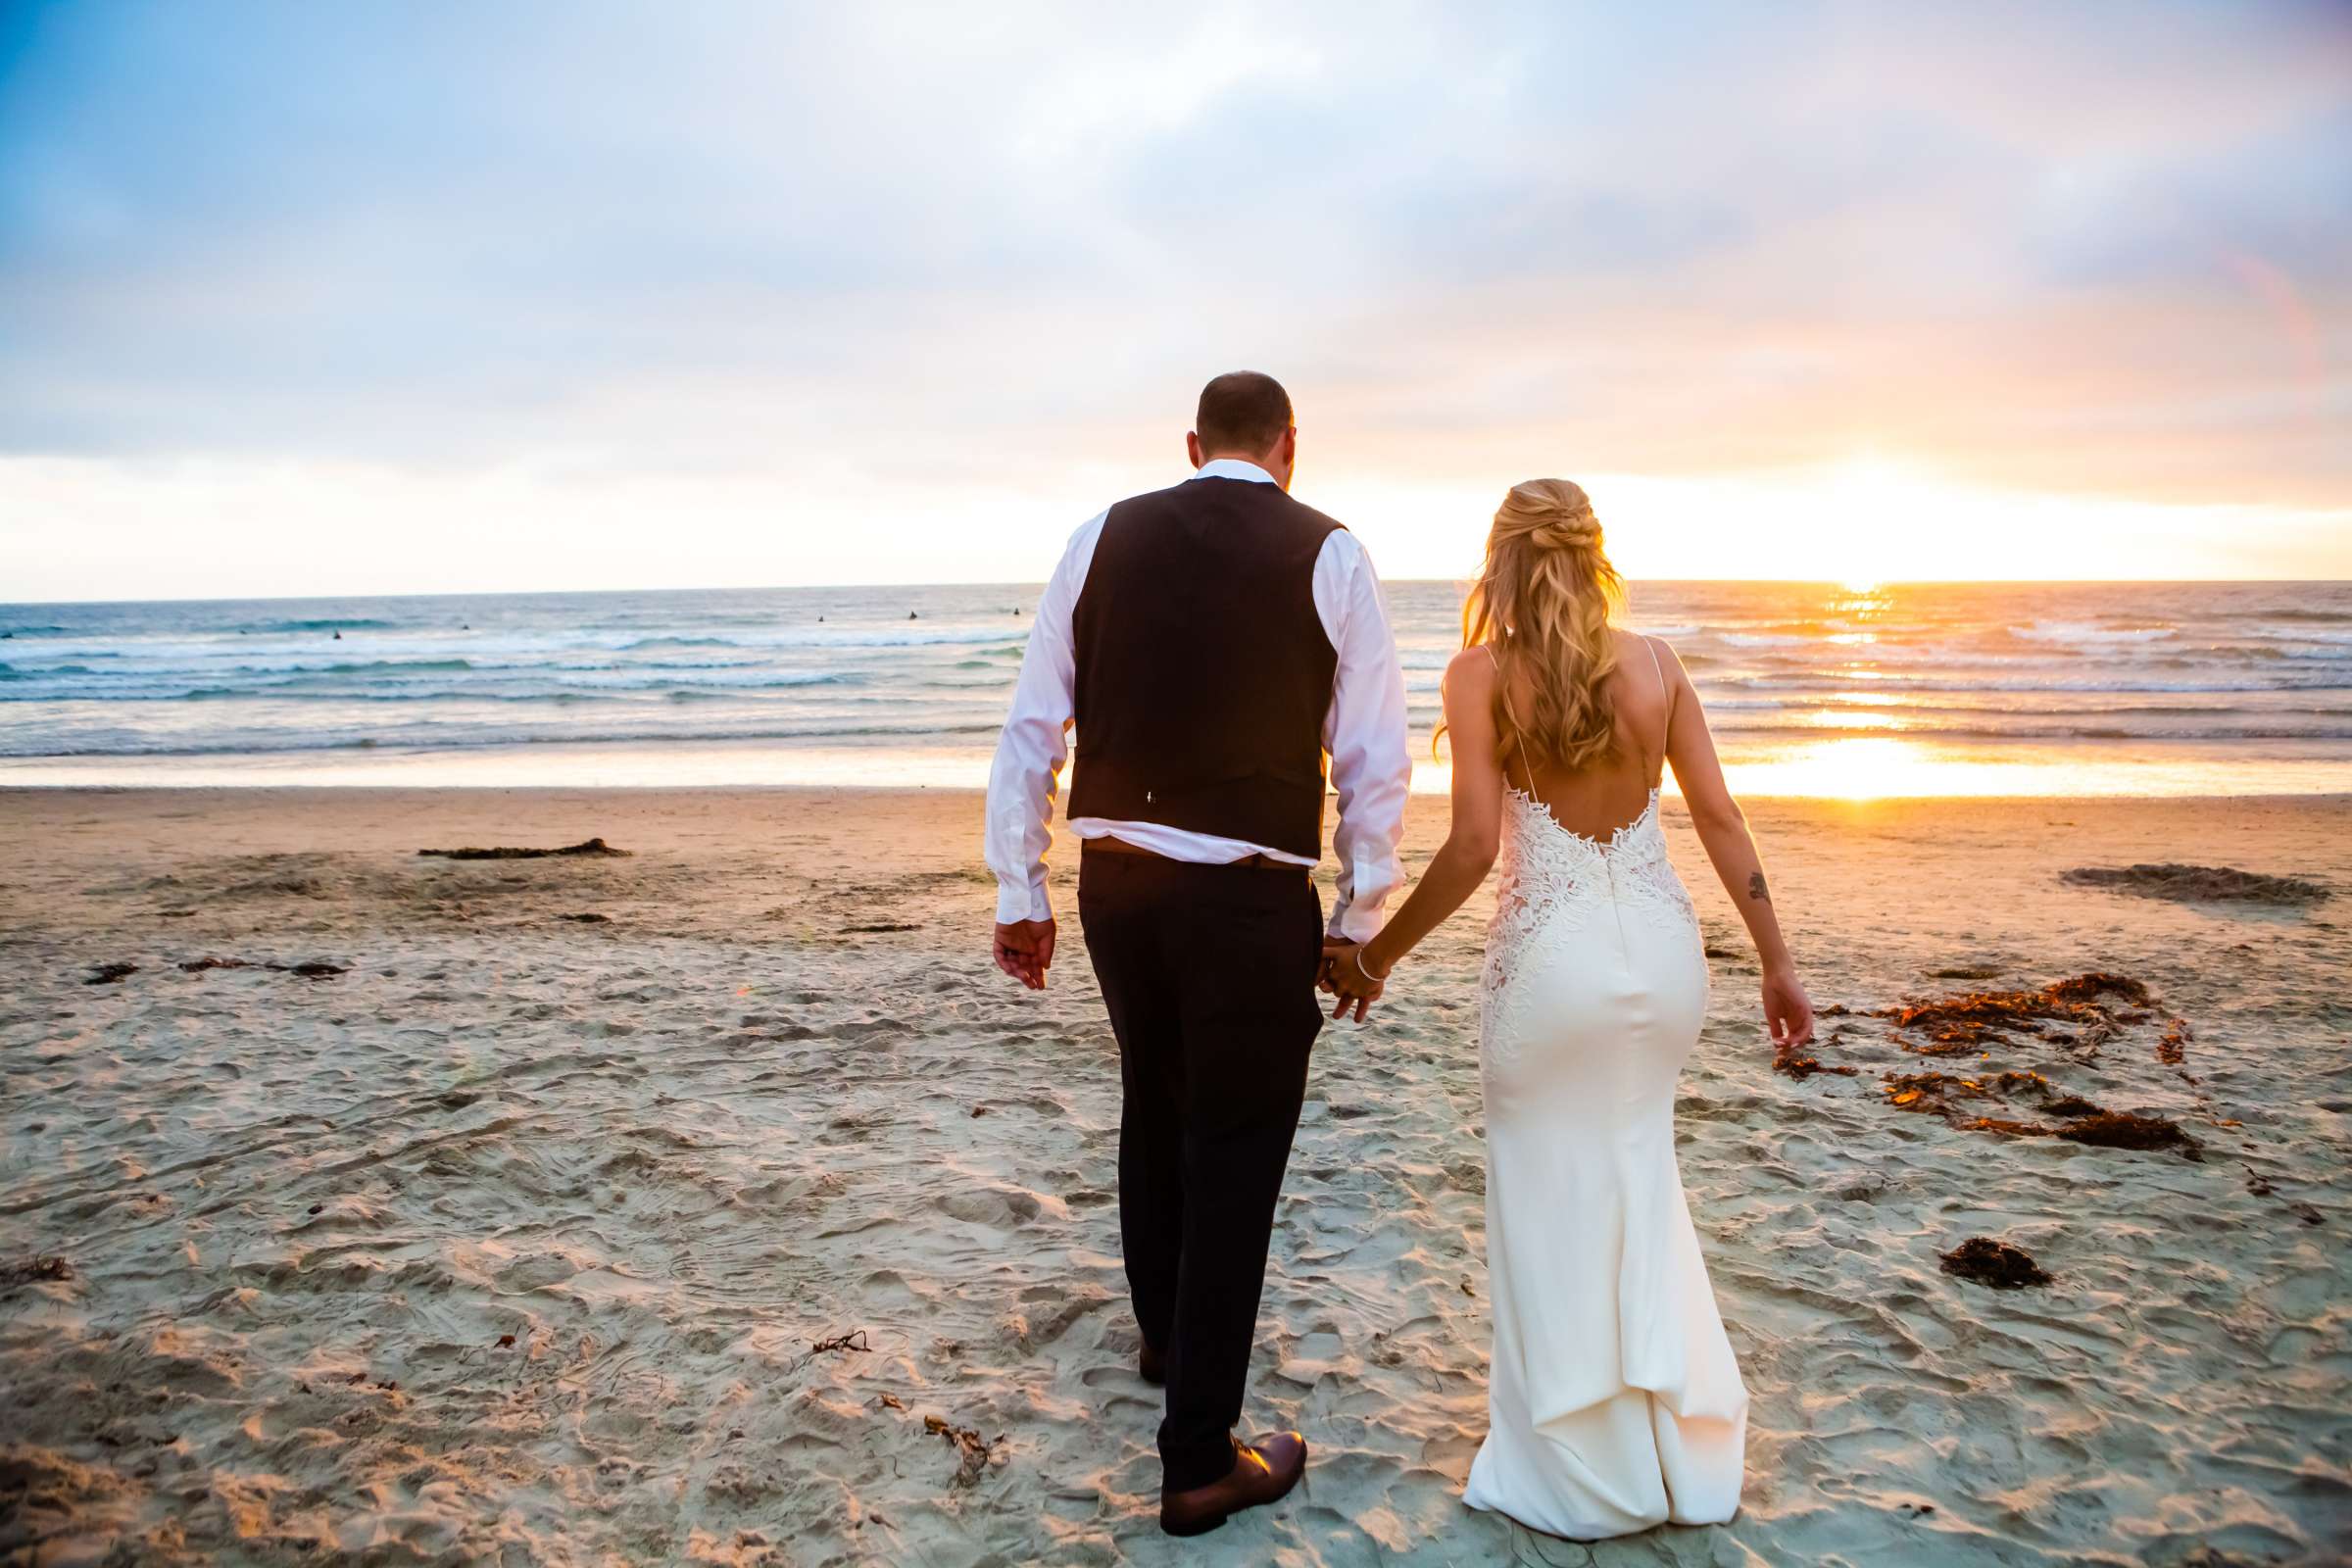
[[1234, 469]]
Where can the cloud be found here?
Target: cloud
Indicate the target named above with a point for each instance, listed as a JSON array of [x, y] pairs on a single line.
[[2098, 250]]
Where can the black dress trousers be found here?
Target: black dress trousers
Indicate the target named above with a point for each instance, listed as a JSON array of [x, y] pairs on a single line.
[[1208, 974]]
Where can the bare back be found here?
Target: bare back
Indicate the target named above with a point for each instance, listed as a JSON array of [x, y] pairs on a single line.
[[1597, 800]]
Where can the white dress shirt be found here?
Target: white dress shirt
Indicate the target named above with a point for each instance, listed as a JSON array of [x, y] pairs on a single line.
[[1363, 730]]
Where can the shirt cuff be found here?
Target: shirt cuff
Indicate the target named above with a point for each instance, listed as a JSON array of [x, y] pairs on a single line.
[[1018, 902], [1355, 923]]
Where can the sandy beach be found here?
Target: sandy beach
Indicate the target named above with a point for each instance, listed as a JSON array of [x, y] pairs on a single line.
[[719, 1203]]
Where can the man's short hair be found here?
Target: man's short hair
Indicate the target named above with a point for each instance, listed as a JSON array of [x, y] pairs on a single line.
[[1242, 410]]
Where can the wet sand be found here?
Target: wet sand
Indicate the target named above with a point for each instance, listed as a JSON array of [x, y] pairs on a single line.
[[719, 1203]]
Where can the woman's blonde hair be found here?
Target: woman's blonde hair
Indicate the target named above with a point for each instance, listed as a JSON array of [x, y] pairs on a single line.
[[1543, 605]]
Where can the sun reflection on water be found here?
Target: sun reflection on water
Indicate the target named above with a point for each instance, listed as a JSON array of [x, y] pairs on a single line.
[[1867, 767], [1852, 719]]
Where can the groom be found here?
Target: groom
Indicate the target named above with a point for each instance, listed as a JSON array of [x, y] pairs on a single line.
[[1213, 642]]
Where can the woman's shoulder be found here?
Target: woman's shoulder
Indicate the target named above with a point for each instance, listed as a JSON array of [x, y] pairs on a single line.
[[1471, 668], [1632, 640], [1640, 647]]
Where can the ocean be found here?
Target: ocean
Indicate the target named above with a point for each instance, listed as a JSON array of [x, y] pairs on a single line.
[[1813, 689]]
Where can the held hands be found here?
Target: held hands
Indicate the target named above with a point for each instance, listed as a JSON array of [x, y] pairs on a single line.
[[1787, 1011], [1345, 977], [1024, 949]]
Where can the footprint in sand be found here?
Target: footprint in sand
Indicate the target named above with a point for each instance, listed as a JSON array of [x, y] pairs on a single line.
[[1005, 1207], [537, 1271]]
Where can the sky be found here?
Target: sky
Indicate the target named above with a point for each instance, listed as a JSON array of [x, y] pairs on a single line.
[[482, 297]]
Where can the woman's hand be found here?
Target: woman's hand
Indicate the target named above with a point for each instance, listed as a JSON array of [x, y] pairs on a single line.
[[1345, 977], [1787, 1011]]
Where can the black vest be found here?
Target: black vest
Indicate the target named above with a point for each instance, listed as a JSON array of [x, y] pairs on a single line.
[[1204, 673]]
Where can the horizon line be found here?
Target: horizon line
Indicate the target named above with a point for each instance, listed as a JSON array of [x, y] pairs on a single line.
[[1039, 583]]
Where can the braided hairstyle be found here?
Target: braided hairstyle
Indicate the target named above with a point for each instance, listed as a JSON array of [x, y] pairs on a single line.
[[1542, 603]]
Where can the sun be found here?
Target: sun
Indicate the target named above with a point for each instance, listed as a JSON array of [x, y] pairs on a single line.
[[1873, 521]]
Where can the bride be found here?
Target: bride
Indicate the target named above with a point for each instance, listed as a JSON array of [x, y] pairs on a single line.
[[1614, 1401]]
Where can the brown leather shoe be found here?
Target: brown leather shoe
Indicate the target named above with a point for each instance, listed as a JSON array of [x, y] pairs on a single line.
[[1153, 1365], [1264, 1472]]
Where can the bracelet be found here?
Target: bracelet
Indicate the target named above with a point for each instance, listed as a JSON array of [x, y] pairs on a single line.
[[1375, 979]]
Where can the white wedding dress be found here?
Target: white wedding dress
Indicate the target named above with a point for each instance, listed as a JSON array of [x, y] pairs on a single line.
[[1614, 1401]]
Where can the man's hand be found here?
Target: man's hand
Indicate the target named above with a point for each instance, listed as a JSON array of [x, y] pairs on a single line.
[[1024, 949], [1345, 977]]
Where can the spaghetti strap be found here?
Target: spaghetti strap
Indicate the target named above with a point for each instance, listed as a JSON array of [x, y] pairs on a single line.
[[1502, 686], [1666, 734]]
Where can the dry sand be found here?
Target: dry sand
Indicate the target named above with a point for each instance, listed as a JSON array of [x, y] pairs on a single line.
[[516, 1242]]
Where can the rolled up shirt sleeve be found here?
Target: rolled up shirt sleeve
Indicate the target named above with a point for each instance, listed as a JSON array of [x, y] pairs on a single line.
[[1371, 762], [1025, 778]]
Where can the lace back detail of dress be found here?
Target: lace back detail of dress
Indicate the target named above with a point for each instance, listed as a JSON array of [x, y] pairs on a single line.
[[1554, 880]]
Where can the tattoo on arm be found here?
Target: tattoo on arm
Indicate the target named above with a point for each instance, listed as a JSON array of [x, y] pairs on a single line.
[[1755, 888]]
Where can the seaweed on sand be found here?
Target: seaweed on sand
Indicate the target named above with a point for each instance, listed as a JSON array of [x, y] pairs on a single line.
[[1966, 1022], [972, 1450], [2119, 1129], [33, 1270], [308, 969], [2198, 884], [1998, 1264], [1791, 1062], [2076, 1119], [505, 852]]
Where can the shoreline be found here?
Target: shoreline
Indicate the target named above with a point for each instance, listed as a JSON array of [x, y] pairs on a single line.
[[1669, 798], [1848, 769], [1424, 800]]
